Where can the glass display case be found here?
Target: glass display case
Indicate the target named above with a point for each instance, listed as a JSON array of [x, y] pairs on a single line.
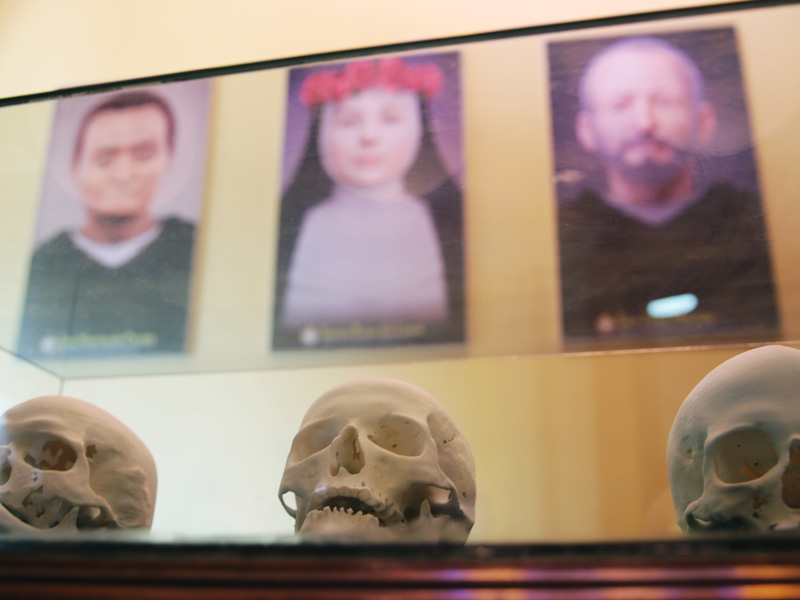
[[578, 223]]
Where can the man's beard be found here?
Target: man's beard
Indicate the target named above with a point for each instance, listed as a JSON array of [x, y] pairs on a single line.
[[648, 172], [115, 220]]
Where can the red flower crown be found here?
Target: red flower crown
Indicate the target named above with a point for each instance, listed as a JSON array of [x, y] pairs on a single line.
[[390, 73]]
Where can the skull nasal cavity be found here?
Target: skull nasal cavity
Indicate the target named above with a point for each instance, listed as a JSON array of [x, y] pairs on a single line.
[[791, 478], [346, 452]]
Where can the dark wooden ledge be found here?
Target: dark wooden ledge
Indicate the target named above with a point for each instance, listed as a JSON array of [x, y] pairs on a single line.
[[90, 568]]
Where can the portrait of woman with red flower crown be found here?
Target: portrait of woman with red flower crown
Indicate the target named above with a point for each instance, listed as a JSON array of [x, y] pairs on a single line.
[[371, 222]]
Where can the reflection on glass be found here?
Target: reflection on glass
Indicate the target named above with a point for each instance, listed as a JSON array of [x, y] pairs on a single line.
[[111, 269], [566, 446], [663, 200], [370, 242]]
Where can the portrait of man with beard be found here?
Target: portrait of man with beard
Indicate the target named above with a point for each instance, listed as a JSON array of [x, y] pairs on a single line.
[[660, 246]]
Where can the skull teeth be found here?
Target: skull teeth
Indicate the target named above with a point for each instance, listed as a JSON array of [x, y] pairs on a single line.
[[332, 519], [342, 510], [355, 500]]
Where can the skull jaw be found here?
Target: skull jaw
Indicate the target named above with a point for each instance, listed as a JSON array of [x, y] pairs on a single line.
[[340, 525], [47, 503], [10, 523], [749, 510], [42, 509], [416, 513], [736, 524], [346, 526]]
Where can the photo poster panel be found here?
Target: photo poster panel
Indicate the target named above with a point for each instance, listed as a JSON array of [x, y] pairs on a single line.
[[112, 258], [661, 229], [371, 238]]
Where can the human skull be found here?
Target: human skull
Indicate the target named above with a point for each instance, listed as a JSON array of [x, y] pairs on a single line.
[[380, 460], [68, 465], [732, 454]]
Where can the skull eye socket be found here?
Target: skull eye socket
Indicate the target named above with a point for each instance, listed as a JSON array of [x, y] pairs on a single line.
[[744, 455], [400, 435], [312, 438], [49, 453], [5, 466]]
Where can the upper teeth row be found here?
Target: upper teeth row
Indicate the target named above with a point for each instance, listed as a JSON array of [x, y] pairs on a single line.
[[324, 493]]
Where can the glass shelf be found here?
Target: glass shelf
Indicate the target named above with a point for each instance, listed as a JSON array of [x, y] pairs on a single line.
[[569, 431]]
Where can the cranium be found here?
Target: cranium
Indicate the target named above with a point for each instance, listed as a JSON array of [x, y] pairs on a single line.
[[66, 464], [733, 455], [380, 460]]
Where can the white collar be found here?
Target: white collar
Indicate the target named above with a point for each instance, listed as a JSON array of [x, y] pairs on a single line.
[[115, 254]]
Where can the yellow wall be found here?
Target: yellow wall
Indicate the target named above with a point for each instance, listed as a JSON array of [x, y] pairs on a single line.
[[51, 44], [512, 277], [567, 446]]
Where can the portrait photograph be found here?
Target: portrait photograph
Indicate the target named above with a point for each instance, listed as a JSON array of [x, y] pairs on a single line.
[[661, 229], [370, 246], [121, 201]]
